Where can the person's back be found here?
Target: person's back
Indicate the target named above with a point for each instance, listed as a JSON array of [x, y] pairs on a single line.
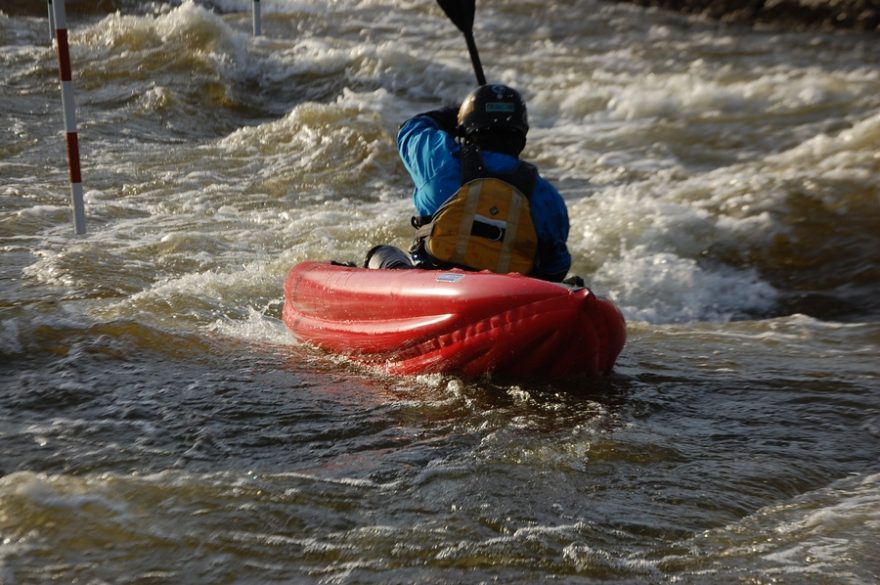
[[478, 205]]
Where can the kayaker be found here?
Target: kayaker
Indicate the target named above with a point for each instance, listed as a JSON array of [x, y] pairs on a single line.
[[479, 206]]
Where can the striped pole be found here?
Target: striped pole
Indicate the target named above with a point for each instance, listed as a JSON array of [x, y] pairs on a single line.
[[76, 190], [257, 24]]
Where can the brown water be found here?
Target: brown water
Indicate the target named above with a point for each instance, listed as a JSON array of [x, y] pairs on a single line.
[[158, 425]]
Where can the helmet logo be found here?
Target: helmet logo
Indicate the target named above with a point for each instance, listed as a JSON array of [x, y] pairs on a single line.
[[505, 107]]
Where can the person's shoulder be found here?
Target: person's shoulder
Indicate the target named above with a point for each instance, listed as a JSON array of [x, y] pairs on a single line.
[[419, 122], [547, 191], [420, 135], [544, 181], [500, 161], [423, 125]]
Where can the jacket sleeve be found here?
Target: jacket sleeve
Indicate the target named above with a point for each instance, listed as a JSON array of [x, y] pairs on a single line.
[[445, 119], [551, 223], [427, 153]]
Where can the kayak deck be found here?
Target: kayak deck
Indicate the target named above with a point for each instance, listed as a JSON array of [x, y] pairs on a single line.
[[472, 323]]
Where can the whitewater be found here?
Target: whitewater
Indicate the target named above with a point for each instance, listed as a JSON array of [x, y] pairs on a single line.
[[158, 424]]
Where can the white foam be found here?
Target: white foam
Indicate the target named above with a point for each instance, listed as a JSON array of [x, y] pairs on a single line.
[[60, 492], [641, 249], [855, 503], [256, 327], [644, 241], [830, 532], [661, 287], [187, 36]]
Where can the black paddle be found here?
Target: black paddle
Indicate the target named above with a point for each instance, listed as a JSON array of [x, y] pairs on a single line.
[[461, 13]]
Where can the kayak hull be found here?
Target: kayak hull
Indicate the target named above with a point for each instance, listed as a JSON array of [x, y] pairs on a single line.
[[470, 323]]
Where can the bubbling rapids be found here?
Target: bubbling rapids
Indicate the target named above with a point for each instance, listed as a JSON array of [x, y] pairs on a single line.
[[157, 422]]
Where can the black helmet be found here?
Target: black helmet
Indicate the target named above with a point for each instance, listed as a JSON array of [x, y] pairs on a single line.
[[493, 107]]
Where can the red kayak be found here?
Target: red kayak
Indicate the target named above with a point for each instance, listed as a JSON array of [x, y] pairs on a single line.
[[470, 323]]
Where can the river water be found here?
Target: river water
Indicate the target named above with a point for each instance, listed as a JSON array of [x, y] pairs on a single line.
[[159, 425]]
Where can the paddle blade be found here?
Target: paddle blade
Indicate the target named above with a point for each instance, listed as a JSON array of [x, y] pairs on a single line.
[[460, 12]]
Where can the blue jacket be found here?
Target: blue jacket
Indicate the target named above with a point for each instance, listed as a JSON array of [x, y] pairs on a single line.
[[429, 155]]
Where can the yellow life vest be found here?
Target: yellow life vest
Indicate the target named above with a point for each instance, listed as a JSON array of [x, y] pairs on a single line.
[[486, 224]]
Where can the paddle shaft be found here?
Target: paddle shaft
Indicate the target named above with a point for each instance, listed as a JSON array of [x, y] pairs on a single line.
[[461, 13], [475, 58]]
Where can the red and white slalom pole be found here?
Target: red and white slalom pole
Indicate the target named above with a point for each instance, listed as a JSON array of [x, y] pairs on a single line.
[[76, 189]]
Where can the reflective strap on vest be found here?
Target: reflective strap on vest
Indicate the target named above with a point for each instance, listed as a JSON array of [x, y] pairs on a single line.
[[509, 236], [467, 220]]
